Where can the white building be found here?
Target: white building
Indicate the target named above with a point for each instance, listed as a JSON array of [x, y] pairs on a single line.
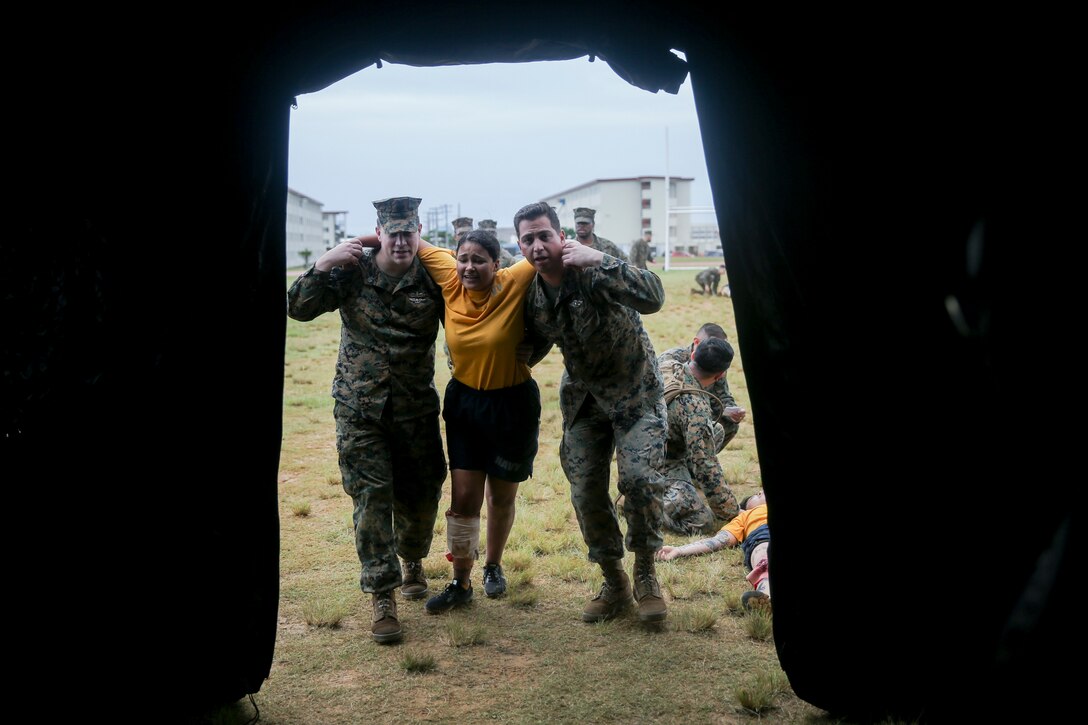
[[334, 226], [627, 207], [304, 229], [706, 240]]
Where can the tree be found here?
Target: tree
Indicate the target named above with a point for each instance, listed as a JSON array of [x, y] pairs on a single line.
[[305, 254]]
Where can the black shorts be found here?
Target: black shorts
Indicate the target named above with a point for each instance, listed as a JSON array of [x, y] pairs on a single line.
[[494, 431]]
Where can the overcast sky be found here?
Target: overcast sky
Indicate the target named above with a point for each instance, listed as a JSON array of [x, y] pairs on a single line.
[[486, 139]]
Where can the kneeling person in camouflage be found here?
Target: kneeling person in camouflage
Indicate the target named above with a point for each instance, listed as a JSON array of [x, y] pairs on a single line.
[[695, 437], [386, 410]]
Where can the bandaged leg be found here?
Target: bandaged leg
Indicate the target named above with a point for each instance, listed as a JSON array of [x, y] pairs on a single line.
[[759, 577], [463, 536]]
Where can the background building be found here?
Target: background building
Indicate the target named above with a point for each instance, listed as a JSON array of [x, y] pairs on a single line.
[[706, 240], [334, 226], [628, 206], [304, 228]]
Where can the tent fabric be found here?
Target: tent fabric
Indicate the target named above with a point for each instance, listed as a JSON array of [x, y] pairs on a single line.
[[883, 220]]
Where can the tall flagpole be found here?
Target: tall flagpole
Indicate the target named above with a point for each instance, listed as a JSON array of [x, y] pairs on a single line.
[[668, 242]]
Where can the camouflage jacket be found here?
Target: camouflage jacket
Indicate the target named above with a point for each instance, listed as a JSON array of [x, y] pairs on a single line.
[[720, 388], [640, 253], [692, 443], [708, 276], [606, 352], [606, 246], [387, 335]]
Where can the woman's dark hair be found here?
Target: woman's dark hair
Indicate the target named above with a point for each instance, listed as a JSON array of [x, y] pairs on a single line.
[[485, 239]]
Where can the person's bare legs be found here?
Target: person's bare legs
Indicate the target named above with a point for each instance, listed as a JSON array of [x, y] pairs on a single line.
[[462, 538], [467, 498], [501, 504]]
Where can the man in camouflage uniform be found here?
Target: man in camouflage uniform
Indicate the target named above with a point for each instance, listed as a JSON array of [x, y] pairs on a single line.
[[640, 250], [583, 230], [708, 281], [505, 258], [588, 303], [386, 409], [727, 425], [461, 226], [695, 438]]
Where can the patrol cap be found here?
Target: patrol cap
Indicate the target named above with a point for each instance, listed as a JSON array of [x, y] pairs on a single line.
[[398, 214], [584, 214], [462, 222], [488, 224]]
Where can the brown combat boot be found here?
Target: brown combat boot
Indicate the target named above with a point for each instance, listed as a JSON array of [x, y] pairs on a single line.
[[651, 605], [413, 584], [386, 626], [614, 597]]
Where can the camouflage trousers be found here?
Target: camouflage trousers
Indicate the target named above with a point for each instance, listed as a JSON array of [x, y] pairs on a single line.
[[586, 456], [689, 511], [393, 471], [685, 512]]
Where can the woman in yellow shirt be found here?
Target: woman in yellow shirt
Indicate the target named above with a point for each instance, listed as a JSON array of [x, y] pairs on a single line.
[[491, 406]]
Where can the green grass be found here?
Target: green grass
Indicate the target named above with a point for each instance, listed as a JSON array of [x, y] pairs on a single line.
[[461, 633], [757, 694], [533, 660], [758, 624], [417, 664], [325, 612]]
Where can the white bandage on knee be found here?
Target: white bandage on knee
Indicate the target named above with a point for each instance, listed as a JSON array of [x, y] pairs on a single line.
[[463, 536]]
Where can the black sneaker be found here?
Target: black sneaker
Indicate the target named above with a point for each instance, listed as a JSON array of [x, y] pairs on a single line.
[[452, 596], [494, 581]]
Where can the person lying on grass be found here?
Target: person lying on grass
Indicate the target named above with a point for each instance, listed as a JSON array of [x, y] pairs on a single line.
[[749, 530]]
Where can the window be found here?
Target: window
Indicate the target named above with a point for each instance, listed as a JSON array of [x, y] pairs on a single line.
[[645, 203]]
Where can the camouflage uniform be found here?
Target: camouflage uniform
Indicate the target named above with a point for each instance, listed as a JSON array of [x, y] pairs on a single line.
[[640, 253], [604, 245], [691, 461], [709, 277], [386, 409], [725, 429], [611, 399]]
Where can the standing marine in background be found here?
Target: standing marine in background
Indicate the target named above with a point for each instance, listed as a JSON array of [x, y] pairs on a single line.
[[640, 250], [583, 230]]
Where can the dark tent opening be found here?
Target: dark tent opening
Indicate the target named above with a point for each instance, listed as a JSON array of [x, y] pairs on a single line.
[[896, 185]]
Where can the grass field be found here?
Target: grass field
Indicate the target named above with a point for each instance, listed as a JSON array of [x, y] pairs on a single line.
[[526, 658]]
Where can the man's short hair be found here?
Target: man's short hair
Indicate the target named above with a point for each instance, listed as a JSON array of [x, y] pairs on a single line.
[[713, 356], [485, 239], [744, 502], [712, 330], [537, 209]]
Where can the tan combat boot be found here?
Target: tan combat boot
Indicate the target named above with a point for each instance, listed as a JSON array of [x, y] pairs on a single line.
[[651, 605], [386, 626], [614, 597], [413, 584]]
